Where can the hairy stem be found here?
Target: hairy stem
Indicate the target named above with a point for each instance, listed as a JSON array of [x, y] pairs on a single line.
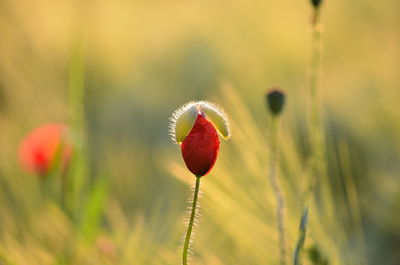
[[318, 143], [318, 165], [191, 221], [280, 201]]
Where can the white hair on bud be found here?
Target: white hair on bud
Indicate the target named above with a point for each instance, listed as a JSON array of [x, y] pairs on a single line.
[[175, 117], [210, 110], [222, 114]]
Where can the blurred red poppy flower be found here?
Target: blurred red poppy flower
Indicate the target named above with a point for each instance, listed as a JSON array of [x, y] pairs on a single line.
[[196, 126], [40, 148]]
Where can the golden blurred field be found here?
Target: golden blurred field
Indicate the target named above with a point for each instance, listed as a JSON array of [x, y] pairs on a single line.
[[116, 70]]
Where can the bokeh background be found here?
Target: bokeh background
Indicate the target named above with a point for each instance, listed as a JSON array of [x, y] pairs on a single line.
[[116, 70]]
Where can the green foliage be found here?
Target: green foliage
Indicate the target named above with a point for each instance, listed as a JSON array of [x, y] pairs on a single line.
[[93, 210]]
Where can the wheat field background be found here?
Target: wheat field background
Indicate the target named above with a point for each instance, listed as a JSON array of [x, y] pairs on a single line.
[[116, 70]]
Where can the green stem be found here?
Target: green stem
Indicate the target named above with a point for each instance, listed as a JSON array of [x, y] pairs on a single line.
[[280, 209], [78, 173], [191, 221], [318, 144], [302, 237], [63, 188]]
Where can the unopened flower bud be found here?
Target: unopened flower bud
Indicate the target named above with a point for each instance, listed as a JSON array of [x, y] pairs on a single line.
[[316, 3], [275, 101], [196, 126]]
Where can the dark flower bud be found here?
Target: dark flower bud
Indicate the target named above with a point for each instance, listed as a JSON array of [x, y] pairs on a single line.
[[316, 3], [275, 101]]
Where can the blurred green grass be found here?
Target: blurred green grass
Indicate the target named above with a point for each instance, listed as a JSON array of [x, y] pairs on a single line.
[[143, 59]]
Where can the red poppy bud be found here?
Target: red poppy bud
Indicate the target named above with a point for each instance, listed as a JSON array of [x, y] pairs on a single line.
[[195, 126], [200, 147], [39, 148]]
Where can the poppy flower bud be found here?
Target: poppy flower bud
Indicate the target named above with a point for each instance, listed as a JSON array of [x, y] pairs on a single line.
[[316, 3], [196, 126], [275, 101], [39, 149]]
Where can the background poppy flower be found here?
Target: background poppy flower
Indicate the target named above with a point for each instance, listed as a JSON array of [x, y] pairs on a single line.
[[39, 149]]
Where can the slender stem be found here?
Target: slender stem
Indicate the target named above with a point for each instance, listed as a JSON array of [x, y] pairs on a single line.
[[315, 61], [280, 209], [302, 237], [63, 188], [78, 175], [191, 221], [318, 144]]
